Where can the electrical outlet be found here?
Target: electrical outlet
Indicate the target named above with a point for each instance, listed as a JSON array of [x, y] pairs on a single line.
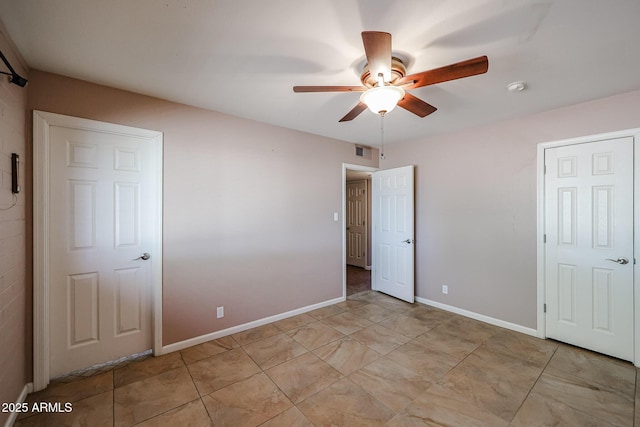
[[220, 312], [445, 289]]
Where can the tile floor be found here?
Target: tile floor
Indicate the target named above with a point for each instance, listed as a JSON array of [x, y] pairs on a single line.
[[358, 280], [369, 361]]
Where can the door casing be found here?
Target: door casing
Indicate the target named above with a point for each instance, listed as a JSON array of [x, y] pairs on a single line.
[[41, 287], [635, 133]]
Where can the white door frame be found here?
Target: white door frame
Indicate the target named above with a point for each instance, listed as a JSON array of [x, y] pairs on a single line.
[[635, 133], [41, 286], [360, 168]]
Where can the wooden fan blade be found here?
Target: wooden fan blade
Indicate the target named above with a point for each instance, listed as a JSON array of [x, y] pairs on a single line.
[[416, 105], [470, 67], [299, 89], [377, 47], [355, 111]]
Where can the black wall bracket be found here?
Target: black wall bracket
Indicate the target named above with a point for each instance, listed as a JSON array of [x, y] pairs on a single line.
[[15, 77], [15, 162]]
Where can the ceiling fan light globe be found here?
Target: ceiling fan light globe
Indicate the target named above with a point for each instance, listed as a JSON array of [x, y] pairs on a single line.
[[381, 100]]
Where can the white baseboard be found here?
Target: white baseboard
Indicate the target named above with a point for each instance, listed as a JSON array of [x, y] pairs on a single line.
[[368, 267], [235, 329], [28, 388], [480, 317]]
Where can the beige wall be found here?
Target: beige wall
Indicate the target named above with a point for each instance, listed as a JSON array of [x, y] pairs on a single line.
[[15, 321], [476, 205], [248, 207]]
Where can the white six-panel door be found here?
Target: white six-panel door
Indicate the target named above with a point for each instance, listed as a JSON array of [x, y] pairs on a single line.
[[356, 205], [101, 220], [393, 232], [589, 239]]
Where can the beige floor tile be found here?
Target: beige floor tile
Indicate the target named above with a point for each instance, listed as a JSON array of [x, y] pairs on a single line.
[[444, 340], [396, 305], [93, 411], [73, 391], [216, 372], [314, 335], [351, 304], [292, 417], [303, 376], [328, 311], [368, 296], [190, 414], [434, 410], [605, 404], [208, 349], [256, 334], [294, 322], [429, 363], [141, 400], [379, 338], [345, 404], [472, 330], [274, 350], [346, 355], [406, 325], [373, 313], [579, 365], [147, 368], [539, 411], [347, 323], [370, 360], [249, 402], [532, 349], [392, 384], [491, 381], [430, 315]]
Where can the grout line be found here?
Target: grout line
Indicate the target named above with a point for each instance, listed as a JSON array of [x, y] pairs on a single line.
[[534, 384]]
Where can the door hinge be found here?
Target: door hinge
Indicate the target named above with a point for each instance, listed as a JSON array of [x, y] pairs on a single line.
[[545, 169], [544, 307], [544, 238]]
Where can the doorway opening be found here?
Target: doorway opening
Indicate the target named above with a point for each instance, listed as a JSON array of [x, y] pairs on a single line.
[[356, 242]]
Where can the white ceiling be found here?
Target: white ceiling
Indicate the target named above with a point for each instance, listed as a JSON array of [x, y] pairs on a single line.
[[243, 57]]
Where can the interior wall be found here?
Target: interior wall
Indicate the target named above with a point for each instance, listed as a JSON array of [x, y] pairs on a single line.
[[248, 207], [476, 205], [15, 317]]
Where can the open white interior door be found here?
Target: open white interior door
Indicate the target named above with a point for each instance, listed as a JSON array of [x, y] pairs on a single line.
[[393, 232]]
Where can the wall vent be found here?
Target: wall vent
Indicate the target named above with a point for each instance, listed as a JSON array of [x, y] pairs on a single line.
[[362, 151]]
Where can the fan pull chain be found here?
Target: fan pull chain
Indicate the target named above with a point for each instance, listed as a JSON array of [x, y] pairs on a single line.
[[382, 136]]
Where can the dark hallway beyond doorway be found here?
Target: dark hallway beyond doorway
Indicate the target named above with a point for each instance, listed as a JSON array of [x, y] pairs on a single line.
[[358, 280]]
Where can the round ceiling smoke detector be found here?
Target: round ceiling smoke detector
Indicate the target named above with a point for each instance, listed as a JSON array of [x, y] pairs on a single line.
[[516, 86]]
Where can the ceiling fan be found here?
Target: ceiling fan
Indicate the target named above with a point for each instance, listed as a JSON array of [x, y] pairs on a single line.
[[384, 79]]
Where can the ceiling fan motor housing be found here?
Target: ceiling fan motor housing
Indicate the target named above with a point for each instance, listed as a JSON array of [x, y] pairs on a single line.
[[398, 71]]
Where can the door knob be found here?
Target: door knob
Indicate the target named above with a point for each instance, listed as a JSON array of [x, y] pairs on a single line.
[[145, 256], [408, 241], [621, 260]]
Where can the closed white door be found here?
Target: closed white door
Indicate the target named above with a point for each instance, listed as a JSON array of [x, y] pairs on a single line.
[[393, 232], [357, 223], [589, 245], [101, 223]]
